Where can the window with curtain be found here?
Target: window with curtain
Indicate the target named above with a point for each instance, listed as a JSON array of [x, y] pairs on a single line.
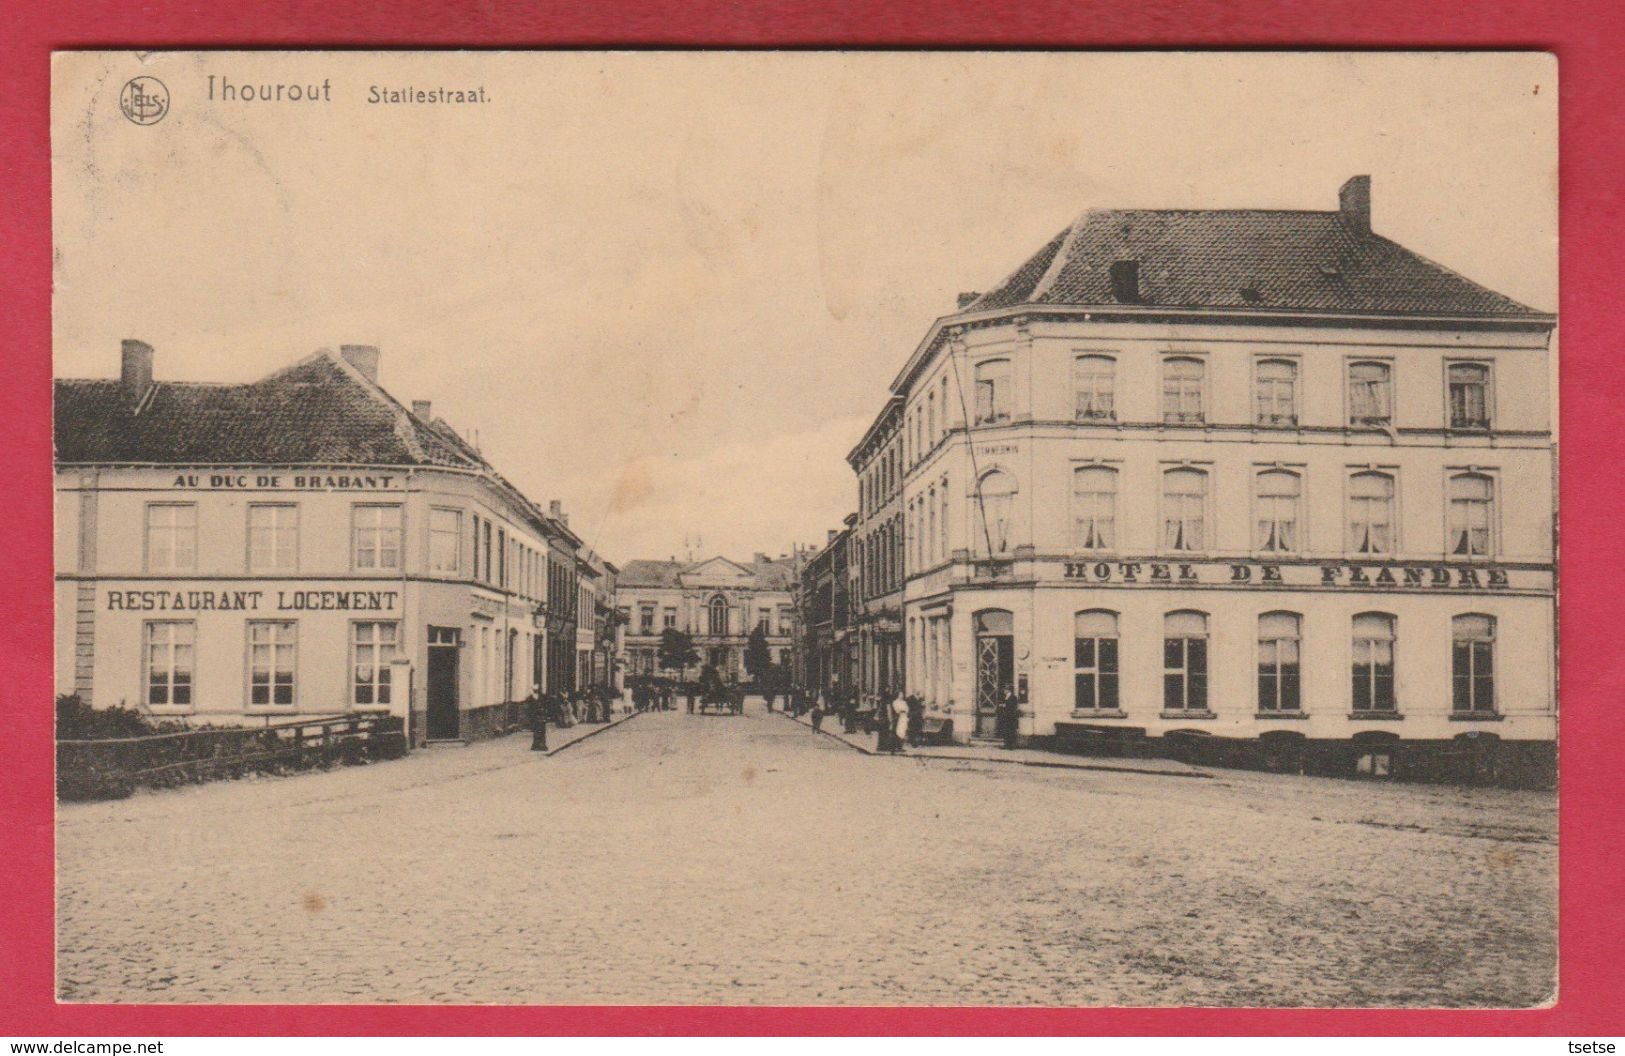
[[1184, 501], [1094, 381], [993, 391], [996, 498], [169, 662], [1278, 646], [1472, 664], [1184, 662], [1182, 391], [1094, 661], [372, 648], [1371, 513], [1371, 397], [271, 649], [1094, 508], [1373, 662], [1469, 396], [1277, 508], [1471, 509], [1277, 397]]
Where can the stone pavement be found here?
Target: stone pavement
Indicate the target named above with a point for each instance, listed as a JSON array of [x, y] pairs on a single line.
[[743, 860], [991, 753]]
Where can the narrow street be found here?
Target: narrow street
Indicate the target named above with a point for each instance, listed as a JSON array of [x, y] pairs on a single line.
[[747, 860]]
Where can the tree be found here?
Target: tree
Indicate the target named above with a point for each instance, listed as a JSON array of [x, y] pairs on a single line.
[[677, 651], [758, 658]]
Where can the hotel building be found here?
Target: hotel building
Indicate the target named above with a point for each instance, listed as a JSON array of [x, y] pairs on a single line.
[[297, 546], [1253, 483]]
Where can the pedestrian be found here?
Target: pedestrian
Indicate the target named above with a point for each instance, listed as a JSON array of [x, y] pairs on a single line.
[[818, 714], [691, 690], [916, 721], [537, 716], [1010, 717]]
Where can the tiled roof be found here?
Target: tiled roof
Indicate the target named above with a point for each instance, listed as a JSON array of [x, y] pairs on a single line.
[[765, 575], [1242, 258], [318, 411]]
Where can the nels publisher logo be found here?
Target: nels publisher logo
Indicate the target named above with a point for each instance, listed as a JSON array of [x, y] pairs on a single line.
[[144, 100]]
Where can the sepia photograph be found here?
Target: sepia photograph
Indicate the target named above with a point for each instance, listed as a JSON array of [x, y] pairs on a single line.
[[806, 528]]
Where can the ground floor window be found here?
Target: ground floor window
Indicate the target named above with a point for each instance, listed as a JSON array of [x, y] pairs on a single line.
[[1373, 662], [1472, 663], [169, 647], [272, 645], [1184, 662], [1278, 662], [372, 647], [1094, 661]]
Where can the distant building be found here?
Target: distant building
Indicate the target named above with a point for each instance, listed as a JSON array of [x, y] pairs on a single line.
[[717, 601], [1249, 478], [296, 546], [826, 648]]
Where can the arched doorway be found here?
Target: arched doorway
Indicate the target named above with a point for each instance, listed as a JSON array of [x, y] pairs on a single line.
[[995, 666]]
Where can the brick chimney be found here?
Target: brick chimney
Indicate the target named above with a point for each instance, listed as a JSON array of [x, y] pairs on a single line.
[[135, 368], [965, 299], [421, 409], [1354, 204], [363, 358]]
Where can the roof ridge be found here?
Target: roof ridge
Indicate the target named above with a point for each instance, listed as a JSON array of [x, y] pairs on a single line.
[[1057, 264]]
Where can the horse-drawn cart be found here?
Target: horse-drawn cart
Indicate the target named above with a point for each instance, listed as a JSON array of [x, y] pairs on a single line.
[[722, 700]]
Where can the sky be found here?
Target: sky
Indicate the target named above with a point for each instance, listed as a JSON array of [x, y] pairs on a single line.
[[671, 289]]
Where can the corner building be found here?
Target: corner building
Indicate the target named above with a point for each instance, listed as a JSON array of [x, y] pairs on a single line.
[[1240, 485], [298, 546]]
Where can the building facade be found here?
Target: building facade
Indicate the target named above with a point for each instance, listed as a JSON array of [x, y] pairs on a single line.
[[296, 546], [1245, 480], [876, 557], [717, 602], [826, 656]]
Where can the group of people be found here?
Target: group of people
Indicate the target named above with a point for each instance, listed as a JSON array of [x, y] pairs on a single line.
[[898, 717], [655, 696], [594, 704]]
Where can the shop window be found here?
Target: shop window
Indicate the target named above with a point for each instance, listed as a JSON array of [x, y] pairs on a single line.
[[1184, 508], [1278, 648], [1094, 388], [1276, 402], [1094, 661], [372, 647], [1371, 394], [1472, 497], [1184, 662], [1371, 513], [1469, 396], [171, 537], [272, 648], [1472, 664], [1094, 508], [169, 649], [1277, 503], [1374, 662]]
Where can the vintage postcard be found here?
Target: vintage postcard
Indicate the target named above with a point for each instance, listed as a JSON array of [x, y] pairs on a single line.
[[752, 528]]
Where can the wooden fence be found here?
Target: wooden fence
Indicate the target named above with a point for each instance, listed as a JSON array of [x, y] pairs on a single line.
[[113, 768]]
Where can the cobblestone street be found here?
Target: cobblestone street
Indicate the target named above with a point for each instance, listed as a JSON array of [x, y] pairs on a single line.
[[747, 860]]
